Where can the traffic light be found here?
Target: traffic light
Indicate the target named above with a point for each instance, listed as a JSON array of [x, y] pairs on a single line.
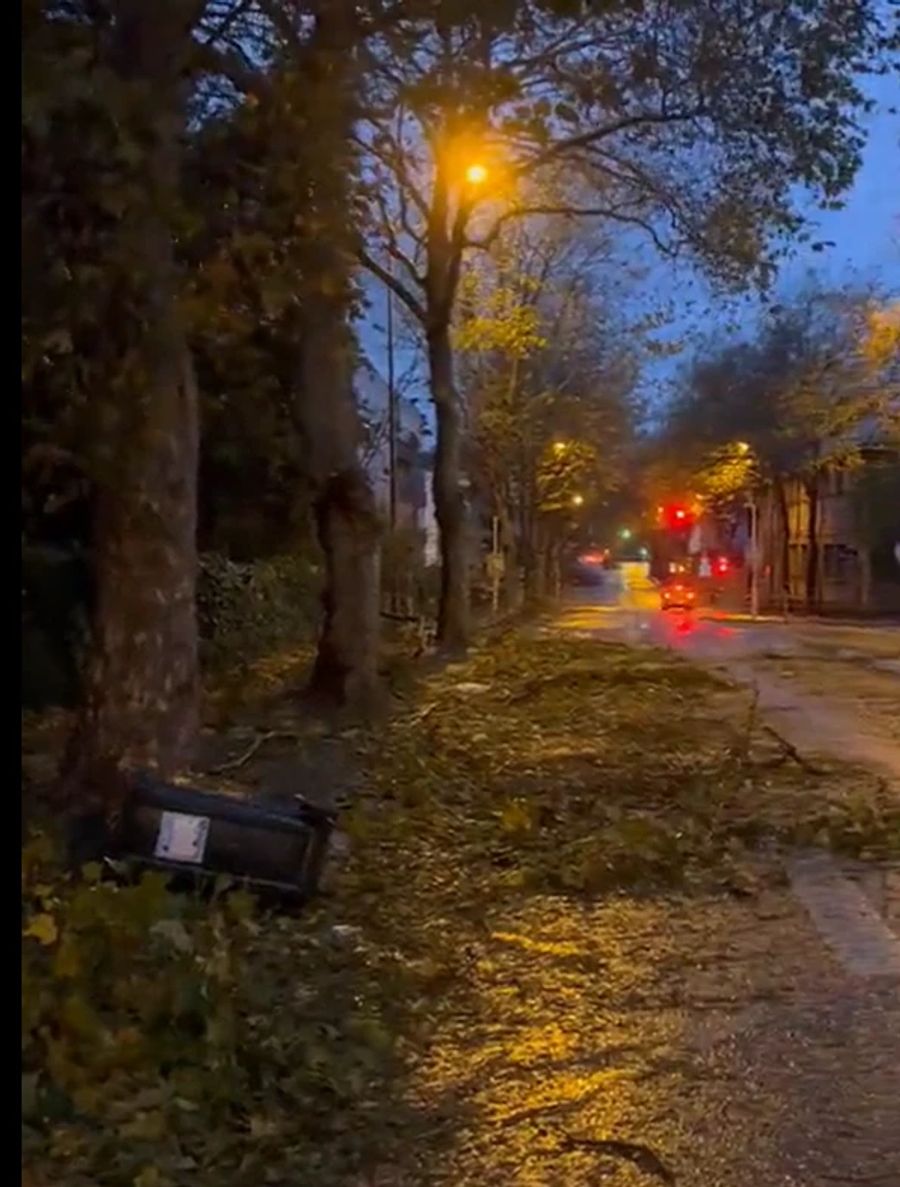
[[676, 516]]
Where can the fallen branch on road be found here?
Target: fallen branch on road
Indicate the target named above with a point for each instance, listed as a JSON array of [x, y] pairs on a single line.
[[638, 1155], [791, 751]]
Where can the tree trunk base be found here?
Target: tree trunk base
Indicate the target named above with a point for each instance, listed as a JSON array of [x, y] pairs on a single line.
[[345, 675]]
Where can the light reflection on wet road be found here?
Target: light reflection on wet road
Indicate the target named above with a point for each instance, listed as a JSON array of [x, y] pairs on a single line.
[[626, 606], [851, 712]]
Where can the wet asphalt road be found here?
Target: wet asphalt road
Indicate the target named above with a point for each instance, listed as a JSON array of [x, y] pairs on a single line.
[[849, 708], [626, 603]]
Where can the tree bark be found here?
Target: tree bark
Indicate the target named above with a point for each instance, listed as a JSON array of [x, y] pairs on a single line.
[[140, 703], [449, 506], [345, 673], [511, 586]]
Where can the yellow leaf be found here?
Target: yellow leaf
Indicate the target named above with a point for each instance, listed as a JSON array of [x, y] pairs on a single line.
[[68, 961], [145, 1127], [43, 929], [150, 1176]]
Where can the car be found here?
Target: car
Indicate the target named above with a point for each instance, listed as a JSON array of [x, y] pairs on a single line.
[[678, 595]]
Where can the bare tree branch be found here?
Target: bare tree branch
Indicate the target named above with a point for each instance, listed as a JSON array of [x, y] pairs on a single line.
[[593, 135], [610, 212], [207, 58], [396, 286]]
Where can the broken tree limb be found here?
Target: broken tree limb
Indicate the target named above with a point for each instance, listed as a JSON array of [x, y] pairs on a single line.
[[792, 752], [634, 1152], [260, 740]]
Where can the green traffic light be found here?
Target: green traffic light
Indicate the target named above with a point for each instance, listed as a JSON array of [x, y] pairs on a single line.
[[625, 534]]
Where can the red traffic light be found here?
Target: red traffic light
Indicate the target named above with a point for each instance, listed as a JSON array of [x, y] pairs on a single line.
[[675, 516]]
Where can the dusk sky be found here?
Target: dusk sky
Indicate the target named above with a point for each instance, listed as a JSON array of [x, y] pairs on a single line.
[[865, 233], [866, 251]]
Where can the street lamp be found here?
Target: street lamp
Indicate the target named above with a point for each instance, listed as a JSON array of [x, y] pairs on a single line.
[[577, 500], [476, 173]]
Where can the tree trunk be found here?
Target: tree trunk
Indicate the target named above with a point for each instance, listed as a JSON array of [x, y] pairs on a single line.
[[346, 668], [140, 704], [556, 570], [453, 610], [511, 585], [784, 541], [865, 577], [812, 556], [345, 673], [538, 572]]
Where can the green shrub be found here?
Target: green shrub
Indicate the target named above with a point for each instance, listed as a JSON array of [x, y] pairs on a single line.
[[247, 610], [404, 579], [167, 1040]]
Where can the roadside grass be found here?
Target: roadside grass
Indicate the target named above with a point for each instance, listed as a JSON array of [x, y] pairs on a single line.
[[584, 767]]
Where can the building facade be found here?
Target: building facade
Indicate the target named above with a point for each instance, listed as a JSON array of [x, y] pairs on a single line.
[[413, 502], [845, 574]]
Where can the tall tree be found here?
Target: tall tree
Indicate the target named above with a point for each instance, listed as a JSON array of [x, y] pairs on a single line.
[[693, 122], [287, 290], [807, 394], [114, 96], [126, 347], [546, 377]]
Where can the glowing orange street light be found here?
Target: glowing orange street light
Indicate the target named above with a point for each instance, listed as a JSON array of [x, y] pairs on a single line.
[[577, 500], [476, 174]]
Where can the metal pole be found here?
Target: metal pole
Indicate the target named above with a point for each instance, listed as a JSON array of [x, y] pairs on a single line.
[[392, 410]]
